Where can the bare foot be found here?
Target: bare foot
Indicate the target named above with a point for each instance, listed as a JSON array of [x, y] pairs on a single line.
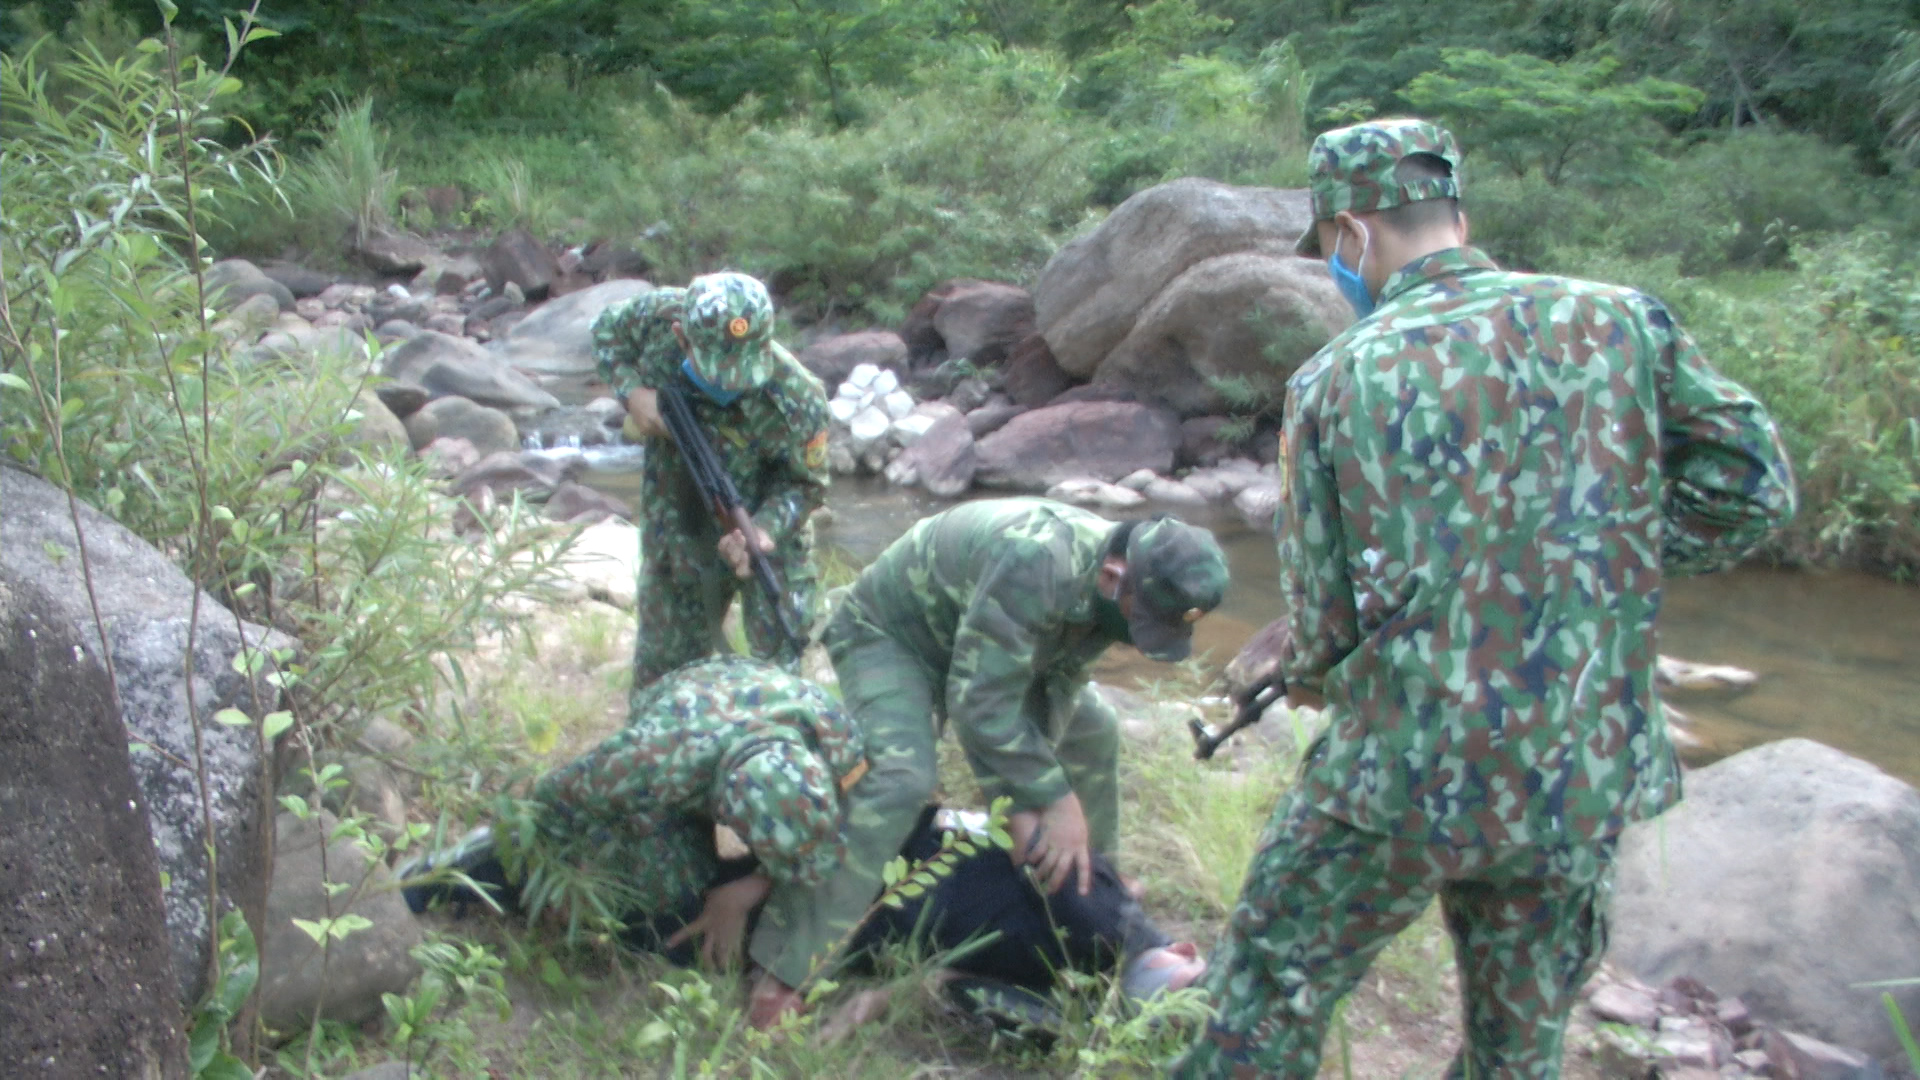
[[1170, 967], [860, 1009], [772, 1001]]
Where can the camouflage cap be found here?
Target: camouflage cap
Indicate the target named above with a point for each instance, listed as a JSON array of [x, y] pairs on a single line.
[[1175, 573], [1351, 168], [784, 802], [728, 319]]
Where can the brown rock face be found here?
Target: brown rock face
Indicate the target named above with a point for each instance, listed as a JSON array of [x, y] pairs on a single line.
[[1091, 292], [978, 321], [86, 983], [834, 358], [943, 460], [1101, 440], [1033, 377], [517, 257], [390, 251], [1250, 317]]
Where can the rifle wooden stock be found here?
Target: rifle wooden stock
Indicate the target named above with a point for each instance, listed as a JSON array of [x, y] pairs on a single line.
[[709, 475]]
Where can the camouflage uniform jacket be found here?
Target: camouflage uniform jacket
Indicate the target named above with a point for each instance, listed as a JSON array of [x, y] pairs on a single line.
[[1482, 487], [645, 801], [997, 600], [774, 439]]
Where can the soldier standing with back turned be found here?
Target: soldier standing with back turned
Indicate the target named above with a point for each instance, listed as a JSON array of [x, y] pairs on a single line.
[[767, 418], [1485, 482]]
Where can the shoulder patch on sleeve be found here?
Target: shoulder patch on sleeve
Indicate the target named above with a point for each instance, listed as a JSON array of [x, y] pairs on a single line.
[[817, 452]]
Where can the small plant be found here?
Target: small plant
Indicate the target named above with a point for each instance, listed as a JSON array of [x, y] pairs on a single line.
[[453, 975], [209, 1050]]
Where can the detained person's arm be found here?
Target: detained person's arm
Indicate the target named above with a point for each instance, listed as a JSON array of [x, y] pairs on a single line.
[[1725, 478]]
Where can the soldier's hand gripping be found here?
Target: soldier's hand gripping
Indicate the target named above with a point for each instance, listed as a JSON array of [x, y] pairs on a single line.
[[643, 414], [733, 548], [722, 924], [1054, 841]]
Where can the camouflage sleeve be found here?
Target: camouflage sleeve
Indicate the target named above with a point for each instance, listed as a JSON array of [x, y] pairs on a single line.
[[633, 342], [799, 478], [1313, 547], [994, 714], [1726, 479]]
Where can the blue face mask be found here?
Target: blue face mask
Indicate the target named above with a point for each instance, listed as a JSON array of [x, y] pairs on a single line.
[[1351, 284], [722, 398]]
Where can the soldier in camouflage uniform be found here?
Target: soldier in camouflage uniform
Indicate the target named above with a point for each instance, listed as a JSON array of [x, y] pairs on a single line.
[[766, 416], [729, 741], [1484, 483], [987, 616]]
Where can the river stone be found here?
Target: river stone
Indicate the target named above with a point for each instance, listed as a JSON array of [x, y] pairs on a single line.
[[556, 338], [299, 280], [402, 398], [1173, 493], [232, 282], [834, 358], [942, 460], [393, 251], [489, 430], [578, 504], [1259, 505], [534, 476], [448, 366], [1093, 291], [359, 967], [1788, 876], [1101, 440], [517, 258], [606, 559], [87, 986], [379, 429], [988, 419], [145, 603], [1097, 494]]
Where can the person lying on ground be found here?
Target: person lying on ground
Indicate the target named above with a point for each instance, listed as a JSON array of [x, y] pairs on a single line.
[[1007, 936]]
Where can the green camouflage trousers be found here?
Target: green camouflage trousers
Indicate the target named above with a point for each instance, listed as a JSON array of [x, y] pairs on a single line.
[[1322, 899], [685, 587], [890, 694]]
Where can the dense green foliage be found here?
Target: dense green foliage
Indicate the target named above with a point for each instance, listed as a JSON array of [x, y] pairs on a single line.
[[855, 152]]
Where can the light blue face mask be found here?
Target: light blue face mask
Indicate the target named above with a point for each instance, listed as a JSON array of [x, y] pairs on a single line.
[[722, 398], [1351, 284]]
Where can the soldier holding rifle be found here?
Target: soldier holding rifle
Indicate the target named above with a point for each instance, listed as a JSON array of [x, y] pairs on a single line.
[[766, 417], [1484, 482]]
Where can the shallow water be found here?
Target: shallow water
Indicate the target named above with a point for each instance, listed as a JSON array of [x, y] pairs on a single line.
[[1838, 654]]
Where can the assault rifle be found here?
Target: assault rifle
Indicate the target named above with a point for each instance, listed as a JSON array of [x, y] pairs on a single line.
[[709, 474], [1249, 706]]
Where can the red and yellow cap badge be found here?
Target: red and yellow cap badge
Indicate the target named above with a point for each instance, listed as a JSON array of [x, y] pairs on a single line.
[[737, 328]]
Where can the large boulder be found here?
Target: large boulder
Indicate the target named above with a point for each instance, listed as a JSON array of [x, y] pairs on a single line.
[[1789, 876], [519, 258], [489, 430], [1101, 440], [233, 282], [834, 358], [1092, 291], [86, 976], [605, 560], [534, 476], [965, 319], [345, 983], [556, 338], [1252, 317], [145, 603], [448, 366]]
